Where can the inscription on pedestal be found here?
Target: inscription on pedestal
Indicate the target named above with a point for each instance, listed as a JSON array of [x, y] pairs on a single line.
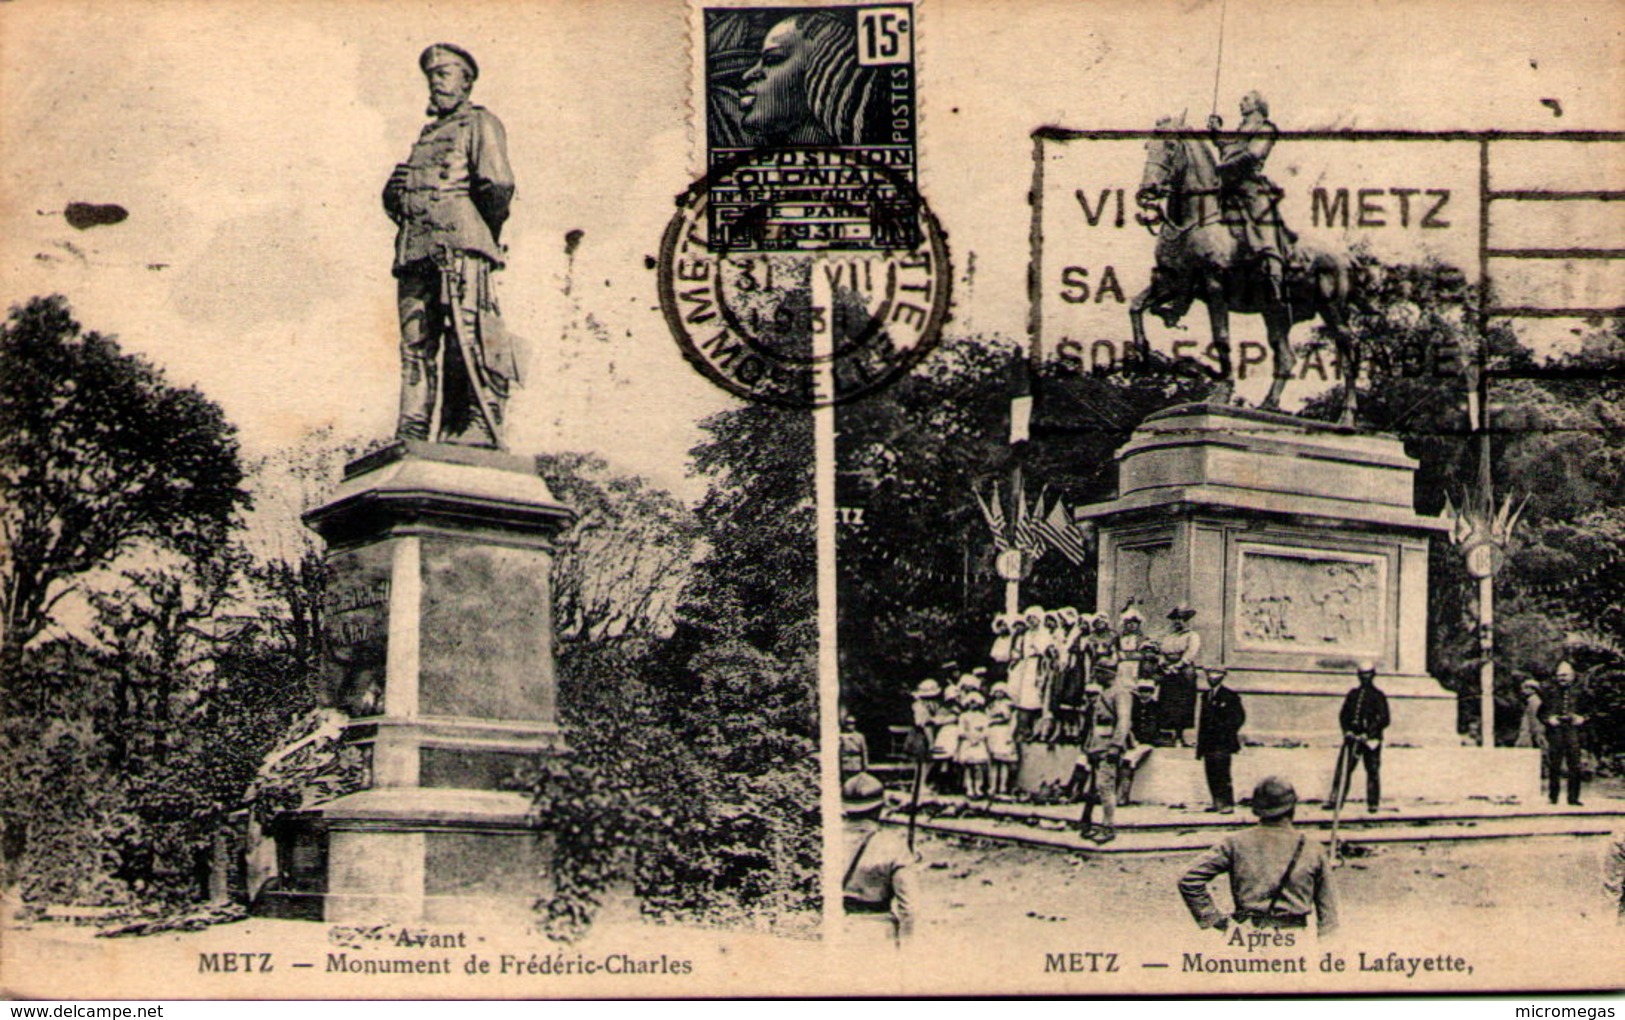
[[355, 625], [1299, 600]]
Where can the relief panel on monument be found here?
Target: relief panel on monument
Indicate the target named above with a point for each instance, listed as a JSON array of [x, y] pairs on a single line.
[[1312, 601], [355, 627]]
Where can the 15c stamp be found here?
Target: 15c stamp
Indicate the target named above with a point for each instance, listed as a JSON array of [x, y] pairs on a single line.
[[829, 91], [804, 269]]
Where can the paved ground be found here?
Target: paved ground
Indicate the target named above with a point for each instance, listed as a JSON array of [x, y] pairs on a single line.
[[1148, 828]]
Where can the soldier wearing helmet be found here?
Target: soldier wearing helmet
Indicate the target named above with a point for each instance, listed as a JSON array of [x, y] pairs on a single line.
[[1278, 876], [879, 881]]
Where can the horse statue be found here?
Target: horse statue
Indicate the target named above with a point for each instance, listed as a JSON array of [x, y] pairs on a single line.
[[1200, 257]]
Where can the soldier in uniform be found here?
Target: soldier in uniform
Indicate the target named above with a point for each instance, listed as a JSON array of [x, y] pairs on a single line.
[[1145, 727], [879, 881], [1242, 155], [449, 201], [854, 747], [1563, 724], [1218, 737], [1107, 714], [1277, 875], [1364, 718]]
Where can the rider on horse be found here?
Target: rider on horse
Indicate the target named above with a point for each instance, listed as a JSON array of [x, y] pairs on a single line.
[[1246, 189]]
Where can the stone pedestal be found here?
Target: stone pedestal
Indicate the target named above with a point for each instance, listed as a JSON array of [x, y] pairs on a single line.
[[1299, 549], [439, 635]]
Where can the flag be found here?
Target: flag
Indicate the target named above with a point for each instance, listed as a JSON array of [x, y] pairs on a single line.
[[1000, 526], [1507, 519], [1058, 529], [1028, 537], [994, 515], [1461, 526]]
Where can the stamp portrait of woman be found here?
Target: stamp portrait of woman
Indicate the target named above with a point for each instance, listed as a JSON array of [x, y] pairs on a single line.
[[801, 83]]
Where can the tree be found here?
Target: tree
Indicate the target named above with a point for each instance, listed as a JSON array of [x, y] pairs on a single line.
[[98, 455], [757, 579], [623, 564], [1557, 440], [692, 774]]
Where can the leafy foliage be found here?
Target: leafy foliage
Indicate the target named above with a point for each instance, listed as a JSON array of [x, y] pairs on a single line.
[[692, 774], [98, 454], [122, 748], [687, 678], [623, 564], [757, 579], [1557, 441]]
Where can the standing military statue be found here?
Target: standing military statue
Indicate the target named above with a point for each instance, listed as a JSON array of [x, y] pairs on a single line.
[[449, 201]]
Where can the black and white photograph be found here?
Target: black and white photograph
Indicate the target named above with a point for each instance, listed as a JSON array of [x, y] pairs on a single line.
[[390, 611], [719, 499]]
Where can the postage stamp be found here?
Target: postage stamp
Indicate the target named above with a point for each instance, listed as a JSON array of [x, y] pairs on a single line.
[[829, 91], [804, 269]]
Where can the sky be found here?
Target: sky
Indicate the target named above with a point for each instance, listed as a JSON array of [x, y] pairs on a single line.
[[250, 141]]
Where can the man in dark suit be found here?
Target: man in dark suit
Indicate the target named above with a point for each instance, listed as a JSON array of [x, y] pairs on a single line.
[[1218, 737], [1364, 719], [1563, 722]]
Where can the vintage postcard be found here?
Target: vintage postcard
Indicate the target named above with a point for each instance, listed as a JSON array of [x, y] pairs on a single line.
[[597, 498]]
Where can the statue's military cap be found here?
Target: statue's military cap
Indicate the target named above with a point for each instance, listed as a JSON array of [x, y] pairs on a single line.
[[426, 60]]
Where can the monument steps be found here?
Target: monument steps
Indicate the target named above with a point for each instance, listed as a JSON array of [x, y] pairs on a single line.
[[1160, 829]]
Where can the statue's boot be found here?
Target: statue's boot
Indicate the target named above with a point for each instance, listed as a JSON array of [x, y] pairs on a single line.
[[1275, 279], [419, 381]]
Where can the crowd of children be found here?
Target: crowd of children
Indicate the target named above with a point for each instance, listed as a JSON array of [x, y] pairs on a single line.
[[967, 735], [1048, 669]]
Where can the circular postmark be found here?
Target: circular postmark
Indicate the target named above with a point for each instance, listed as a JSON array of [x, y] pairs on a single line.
[[804, 277]]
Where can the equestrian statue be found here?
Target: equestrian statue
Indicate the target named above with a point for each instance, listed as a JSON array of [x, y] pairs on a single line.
[[1220, 240]]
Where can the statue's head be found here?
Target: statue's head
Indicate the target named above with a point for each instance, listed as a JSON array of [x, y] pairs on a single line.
[[1252, 103], [806, 87], [451, 71]]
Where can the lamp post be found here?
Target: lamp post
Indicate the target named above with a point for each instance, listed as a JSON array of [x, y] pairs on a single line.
[[1483, 534]]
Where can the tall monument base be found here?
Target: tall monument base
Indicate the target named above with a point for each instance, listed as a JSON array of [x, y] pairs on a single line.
[[1297, 545], [438, 625]]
